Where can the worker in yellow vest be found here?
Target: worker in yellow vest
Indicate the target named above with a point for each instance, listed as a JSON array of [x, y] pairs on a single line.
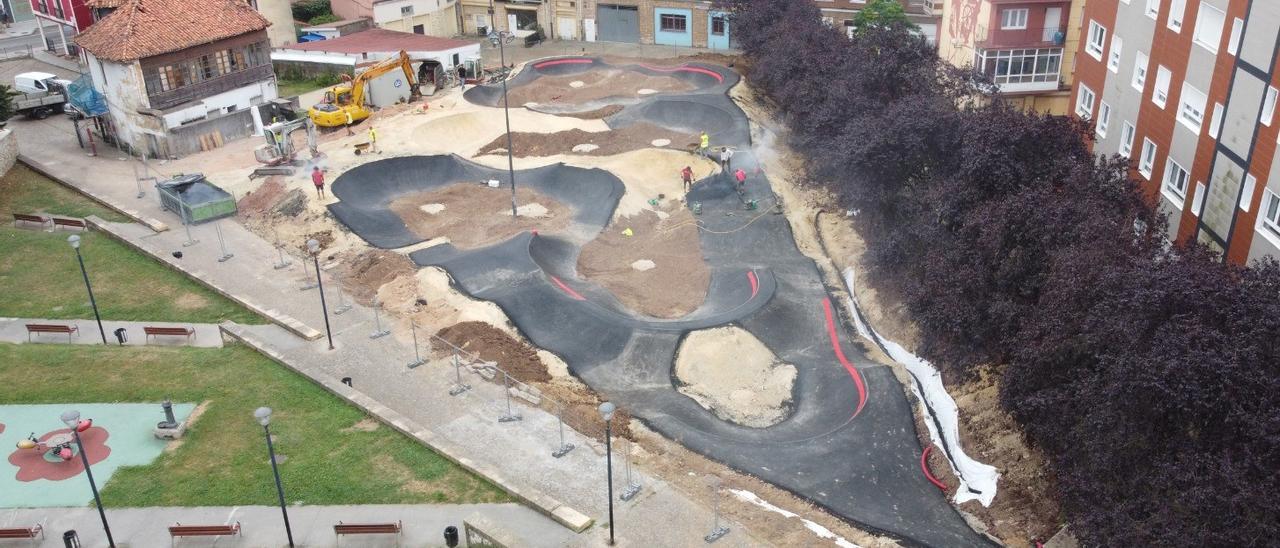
[[350, 122], [373, 140], [704, 144]]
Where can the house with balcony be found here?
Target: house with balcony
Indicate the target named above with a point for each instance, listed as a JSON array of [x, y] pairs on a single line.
[[1026, 47], [70, 17], [174, 83], [429, 17]]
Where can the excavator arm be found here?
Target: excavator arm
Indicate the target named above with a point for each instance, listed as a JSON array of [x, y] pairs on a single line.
[[400, 61]]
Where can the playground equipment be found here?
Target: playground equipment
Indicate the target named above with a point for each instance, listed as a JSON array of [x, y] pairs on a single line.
[[59, 447], [346, 101]]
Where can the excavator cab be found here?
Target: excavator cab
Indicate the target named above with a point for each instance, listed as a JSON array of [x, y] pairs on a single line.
[[348, 99]]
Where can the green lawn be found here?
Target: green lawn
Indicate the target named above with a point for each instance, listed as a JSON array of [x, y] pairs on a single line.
[[39, 277], [222, 460]]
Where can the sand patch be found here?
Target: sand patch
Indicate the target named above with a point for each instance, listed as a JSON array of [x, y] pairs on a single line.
[[596, 84], [478, 215], [660, 142], [643, 265], [364, 274], [677, 282], [577, 84], [465, 132], [431, 209], [646, 91], [731, 373], [604, 143], [445, 305], [585, 147]]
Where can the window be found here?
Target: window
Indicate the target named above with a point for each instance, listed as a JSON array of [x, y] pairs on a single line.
[[1013, 19], [1020, 66], [1246, 197], [1160, 95], [1191, 108], [1271, 212], [1104, 119], [1148, 159], [829, 21], [717, 26], [1209, 27], [42, 6], [1153, 8], [1126, 139], [1140, 63], [673, 23], [1097, 40], [1175, 182], [1268, 107], [1237, 26], [1197, 201], [406, 10], [1215, 120], [1113, 58], [1084, 102], [1177, 8]]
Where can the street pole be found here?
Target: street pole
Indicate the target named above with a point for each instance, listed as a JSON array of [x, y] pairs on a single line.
[[314, 247], [271, 452], [606, 413], [75, 244], [97, 500], [506, 113]]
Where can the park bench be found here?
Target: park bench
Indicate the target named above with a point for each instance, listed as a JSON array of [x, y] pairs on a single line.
[[71, 223], [367, 529], [52, 328], [187, 332], [23, 532], [24, 218], [180, 530]]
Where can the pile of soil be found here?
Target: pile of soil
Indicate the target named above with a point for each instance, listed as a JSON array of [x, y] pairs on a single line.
[[728, 371], [596, 84], [475, 215], [597, 114], [582, 411], [677, 283], [626, 139], [365, 273], [518, 358], [324, 237], [258, 203]]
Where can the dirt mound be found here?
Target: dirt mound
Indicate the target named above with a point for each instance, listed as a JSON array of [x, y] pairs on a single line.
[[474, 215], [730, 372], [597, 114], [518, 358], [596, 84], [261, 201], [677, 283], [607, 143], [364, 274]]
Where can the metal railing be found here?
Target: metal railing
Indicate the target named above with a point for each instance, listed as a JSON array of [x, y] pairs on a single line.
[[1031, 37]]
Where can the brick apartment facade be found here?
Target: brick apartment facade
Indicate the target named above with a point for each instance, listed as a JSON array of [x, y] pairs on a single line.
[[924, 13], [1187, 90], [694, 23]]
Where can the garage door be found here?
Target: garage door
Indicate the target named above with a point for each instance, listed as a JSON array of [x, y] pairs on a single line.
[[618, 23]]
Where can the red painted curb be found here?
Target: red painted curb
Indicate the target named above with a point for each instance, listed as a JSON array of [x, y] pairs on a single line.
[[924, 466], [710, 73], [835, 345], [563, 62], [568, 289], [755, 284]]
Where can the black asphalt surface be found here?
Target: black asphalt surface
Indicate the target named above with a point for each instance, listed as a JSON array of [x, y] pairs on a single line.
[[849, 443]]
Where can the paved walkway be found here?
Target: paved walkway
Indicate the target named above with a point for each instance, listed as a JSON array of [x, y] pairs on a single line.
[[262, 526], [14, 330], [517, 53]]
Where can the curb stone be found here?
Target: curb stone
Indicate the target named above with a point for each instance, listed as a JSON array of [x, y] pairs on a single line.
[[154, 224]]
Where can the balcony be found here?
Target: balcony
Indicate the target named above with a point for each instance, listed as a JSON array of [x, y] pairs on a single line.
[[228, 82], [1021, 70], [1019, 38]]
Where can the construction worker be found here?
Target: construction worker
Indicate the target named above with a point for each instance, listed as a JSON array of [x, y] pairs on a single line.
[[350, 122], [725, 156], [317, 178], [686, 175], [373, 140], [704, 144], [741, 177]]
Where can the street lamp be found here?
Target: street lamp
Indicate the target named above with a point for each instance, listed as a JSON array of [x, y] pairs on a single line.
[[72, 420], [74, 240], [606, 412], [501, 39], [314, 247], [263, 414]]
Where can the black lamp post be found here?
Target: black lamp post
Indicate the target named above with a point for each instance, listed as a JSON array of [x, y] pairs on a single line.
[[606, 412], [72, 420], [314, 247], [263, 414], [74, 240], [501, 39]]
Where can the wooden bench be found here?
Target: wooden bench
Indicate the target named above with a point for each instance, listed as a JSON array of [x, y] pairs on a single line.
[[367, 529], [32, 533], [52, 328], [71, 223], [187, 332], [24, 218], [180, 530]]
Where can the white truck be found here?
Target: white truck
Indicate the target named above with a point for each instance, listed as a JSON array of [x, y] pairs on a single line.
[[39, 94]]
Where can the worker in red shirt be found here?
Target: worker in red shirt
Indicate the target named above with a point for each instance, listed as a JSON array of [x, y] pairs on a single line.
[[686, 175], [741, 176], [317, 178]]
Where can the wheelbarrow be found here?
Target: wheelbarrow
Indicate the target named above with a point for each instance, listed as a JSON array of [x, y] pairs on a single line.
[[362, 148]]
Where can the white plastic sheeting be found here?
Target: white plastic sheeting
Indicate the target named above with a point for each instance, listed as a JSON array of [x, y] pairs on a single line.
[[977, 480], [823, 532]]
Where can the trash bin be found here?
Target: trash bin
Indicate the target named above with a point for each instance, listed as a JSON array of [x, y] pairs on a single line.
[[451, 536], [70, 539], [121, 335]]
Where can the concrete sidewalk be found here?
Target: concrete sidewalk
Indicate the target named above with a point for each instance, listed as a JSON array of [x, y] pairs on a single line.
[[263, 526], [14, 330]]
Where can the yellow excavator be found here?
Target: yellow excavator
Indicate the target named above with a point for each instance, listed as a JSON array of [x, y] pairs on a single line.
[[348, 97]]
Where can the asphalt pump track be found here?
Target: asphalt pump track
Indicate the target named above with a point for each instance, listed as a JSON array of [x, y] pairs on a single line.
[[849, 443]]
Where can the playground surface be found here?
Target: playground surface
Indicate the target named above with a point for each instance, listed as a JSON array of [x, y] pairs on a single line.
[[121, 436], [846, 441]]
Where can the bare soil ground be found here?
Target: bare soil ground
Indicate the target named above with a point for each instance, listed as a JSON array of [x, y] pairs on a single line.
[[608, 143], [518, 358], [597, 114], [365, 273], [748, 386], [591, 86], [475, 215], [676, 284]]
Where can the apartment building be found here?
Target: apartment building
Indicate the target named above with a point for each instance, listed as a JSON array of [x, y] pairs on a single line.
[[1187, 90], [1026, 47], [695, 23], [432, 17], [923, 13]]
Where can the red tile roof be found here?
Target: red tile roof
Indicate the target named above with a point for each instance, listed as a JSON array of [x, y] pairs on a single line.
[[380, 40], [142, 28]]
